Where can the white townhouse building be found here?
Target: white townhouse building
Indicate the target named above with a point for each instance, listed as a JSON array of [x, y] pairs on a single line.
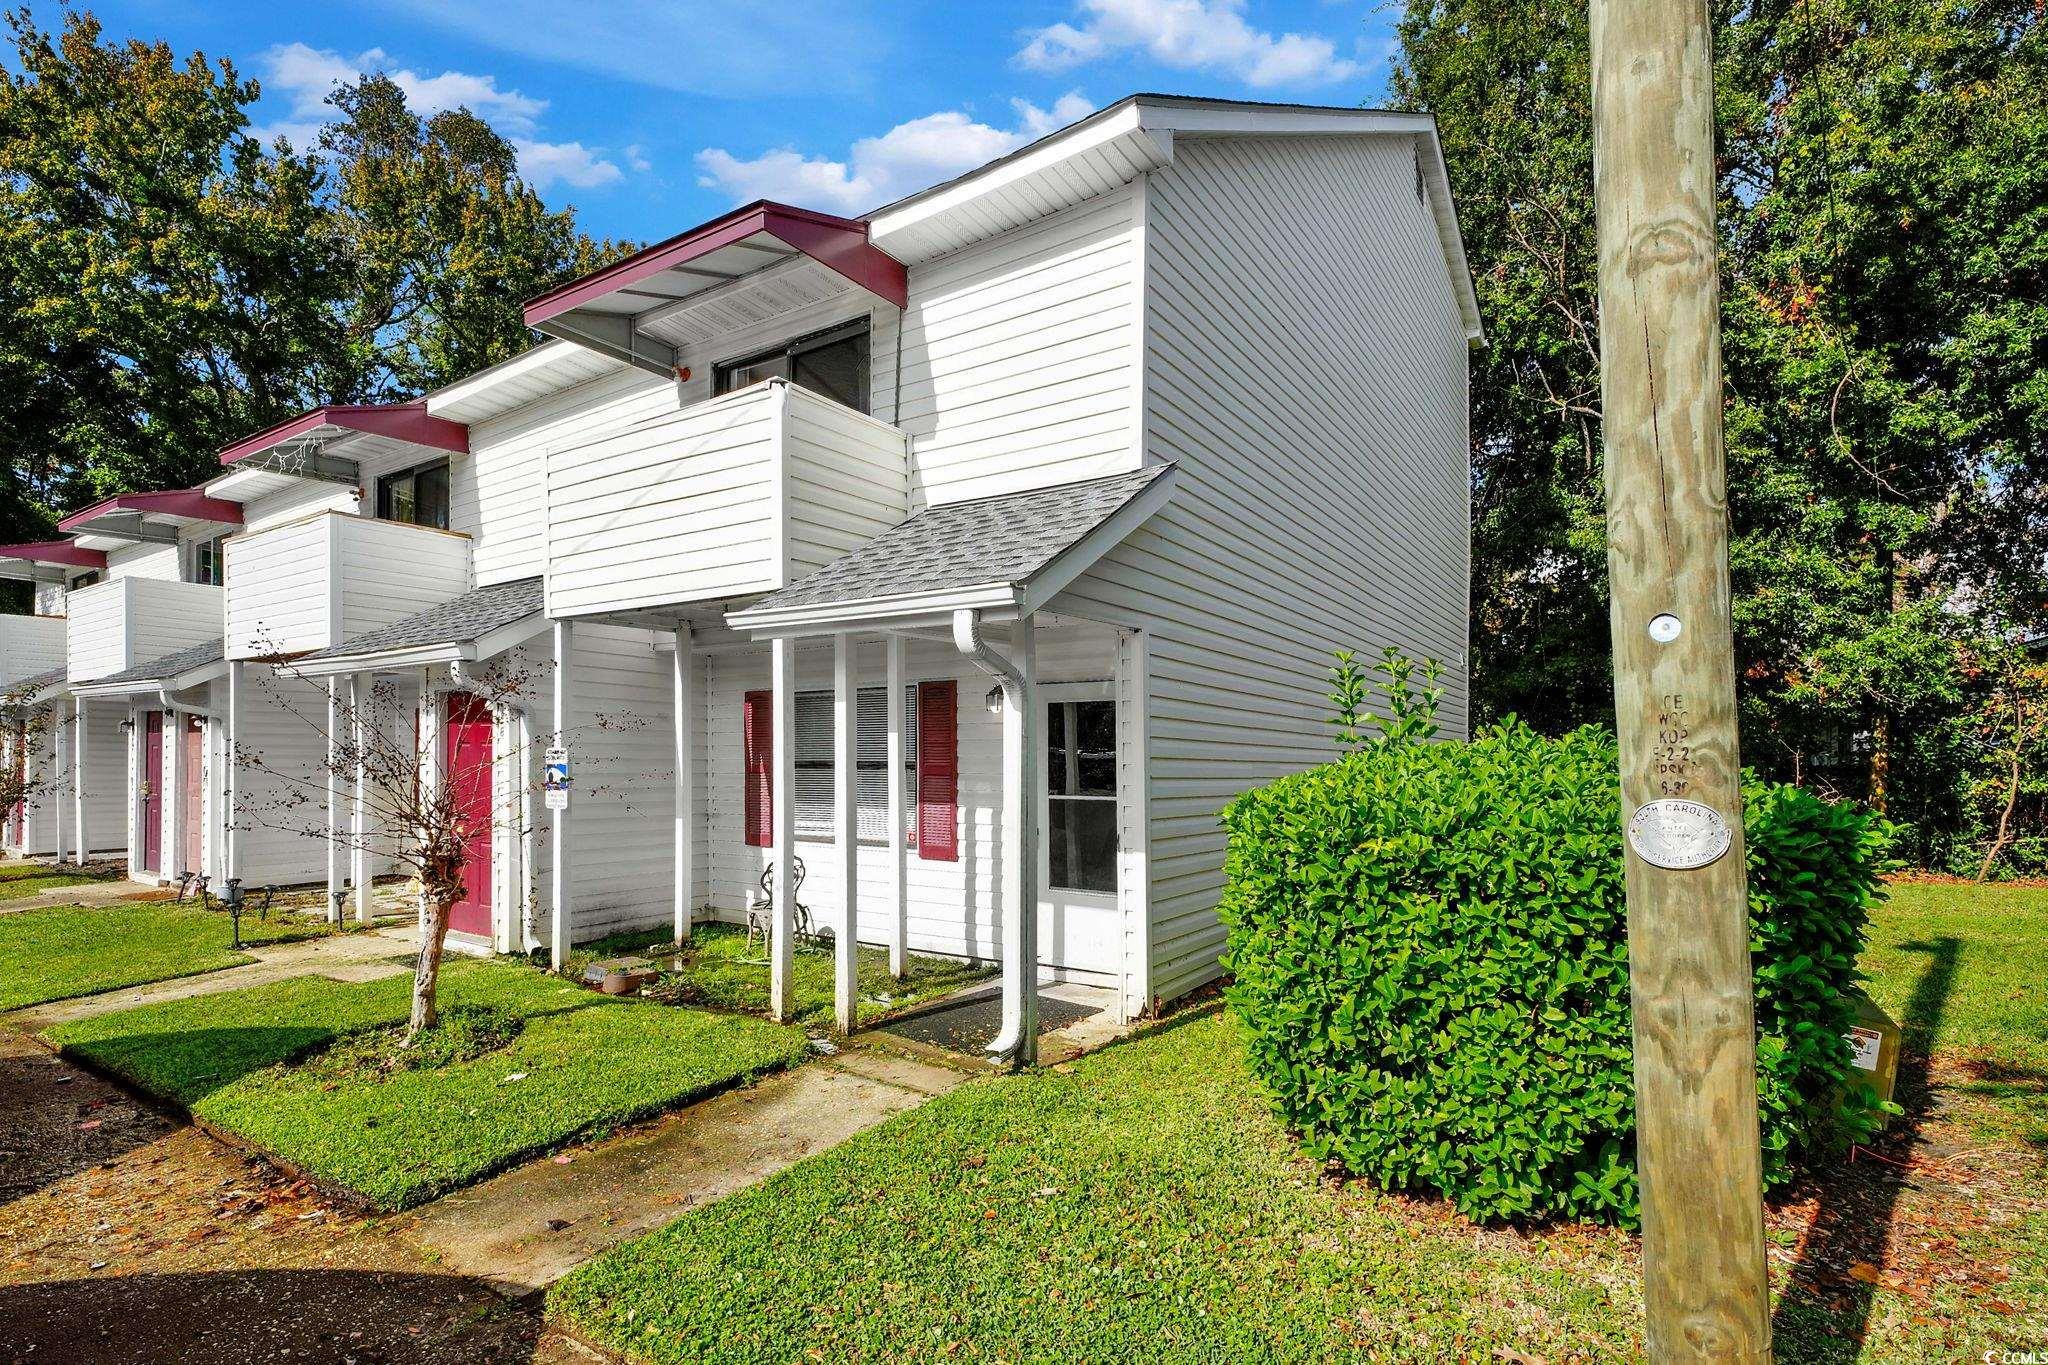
[[135, 585], [955, 564]]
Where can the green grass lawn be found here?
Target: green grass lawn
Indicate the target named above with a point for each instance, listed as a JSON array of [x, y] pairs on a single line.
[[580, 1065], [24, 871], [715, 972], [1964, 968], [21, 887], [1144, 1206], [62, 951]]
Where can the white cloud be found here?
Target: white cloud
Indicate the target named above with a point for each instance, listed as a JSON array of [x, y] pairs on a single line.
[[569, 163], [636, 157], [306, 76], [1191, 35], [880, 169]]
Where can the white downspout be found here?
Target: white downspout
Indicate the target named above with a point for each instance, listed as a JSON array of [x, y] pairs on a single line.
[[1017, 1041]]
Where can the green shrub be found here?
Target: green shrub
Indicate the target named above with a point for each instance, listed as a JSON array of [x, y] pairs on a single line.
[[1430, 955]]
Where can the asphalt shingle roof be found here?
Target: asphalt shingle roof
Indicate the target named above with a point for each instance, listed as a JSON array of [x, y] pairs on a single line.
[[458, 621], [170, 665], [28, 687], [1006, 539]]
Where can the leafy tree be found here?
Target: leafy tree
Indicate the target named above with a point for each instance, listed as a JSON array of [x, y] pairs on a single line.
[[1884, 211], [443, 242], [168, 284]]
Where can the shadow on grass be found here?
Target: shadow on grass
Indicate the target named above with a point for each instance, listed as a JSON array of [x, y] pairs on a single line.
[[186, 1066], [265, 1315], [1824, 1310]]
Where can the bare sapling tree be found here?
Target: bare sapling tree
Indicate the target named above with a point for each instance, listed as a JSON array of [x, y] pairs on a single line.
[[399, 805]]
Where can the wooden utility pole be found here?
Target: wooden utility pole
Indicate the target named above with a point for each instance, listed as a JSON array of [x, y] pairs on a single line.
[[1674, 682]]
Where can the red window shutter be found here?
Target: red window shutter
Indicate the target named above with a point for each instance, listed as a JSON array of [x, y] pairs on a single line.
[[760, 744], [938, 771]]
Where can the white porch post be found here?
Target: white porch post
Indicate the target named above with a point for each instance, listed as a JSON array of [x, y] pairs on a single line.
[[899, 902], [333, 800], [78, 822], [558, 824], [1020, 837], [1017, 1040], [360, 687], [429, 760], [782, 747], [132, 807], [686, 743], [231, 778], [59, 761], [846, 833]]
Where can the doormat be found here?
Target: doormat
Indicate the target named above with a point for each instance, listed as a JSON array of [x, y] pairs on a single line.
[[970, 1026]]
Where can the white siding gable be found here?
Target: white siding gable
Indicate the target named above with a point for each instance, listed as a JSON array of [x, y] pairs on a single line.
[[1306, 368]]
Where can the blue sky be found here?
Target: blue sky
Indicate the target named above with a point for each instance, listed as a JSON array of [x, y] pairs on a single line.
[[651, 116]]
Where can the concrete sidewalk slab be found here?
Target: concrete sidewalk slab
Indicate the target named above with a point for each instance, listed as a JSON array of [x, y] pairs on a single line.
[[344, 957], [527, 1228]]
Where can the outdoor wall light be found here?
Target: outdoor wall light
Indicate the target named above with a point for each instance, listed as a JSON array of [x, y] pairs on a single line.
[[994, 700]]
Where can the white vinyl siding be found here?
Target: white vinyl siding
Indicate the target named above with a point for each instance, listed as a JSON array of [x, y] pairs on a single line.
[[106, 779], [498, 492], [316, 583], [622, 804], [277, 598], [302, 499], [117, 625], [1019, 357], [283, 796], [146, 561], [1306, 368], [390, 570], [729, 497], [29, 646]]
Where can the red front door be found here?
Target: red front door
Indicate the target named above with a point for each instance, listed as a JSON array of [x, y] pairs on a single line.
[[152, 791], [468, 750], [192, 777]]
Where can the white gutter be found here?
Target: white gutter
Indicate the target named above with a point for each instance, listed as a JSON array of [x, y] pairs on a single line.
[[1017, 1041]]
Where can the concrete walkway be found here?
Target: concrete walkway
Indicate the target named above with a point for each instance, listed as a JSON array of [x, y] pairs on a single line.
[[345, 957], [527, 1228]]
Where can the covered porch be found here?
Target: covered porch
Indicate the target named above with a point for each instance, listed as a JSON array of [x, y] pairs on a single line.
[[460, 669], [170, 718], [1062, 774]]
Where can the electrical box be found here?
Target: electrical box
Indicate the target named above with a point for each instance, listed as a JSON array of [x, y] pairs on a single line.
[[1874, 1048]]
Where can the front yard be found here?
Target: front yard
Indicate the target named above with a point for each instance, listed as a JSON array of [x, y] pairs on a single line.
[[719, 970], [1144, 1206], [61, 952], [307, 1069]]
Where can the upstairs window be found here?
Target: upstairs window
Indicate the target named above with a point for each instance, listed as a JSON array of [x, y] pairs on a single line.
[[833, 364], [209, 562], [418, 495], [85, 580]]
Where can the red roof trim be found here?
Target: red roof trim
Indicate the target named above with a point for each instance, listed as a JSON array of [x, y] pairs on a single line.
[[56, 552], [182, 502], [408, 422], [840, 243]]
